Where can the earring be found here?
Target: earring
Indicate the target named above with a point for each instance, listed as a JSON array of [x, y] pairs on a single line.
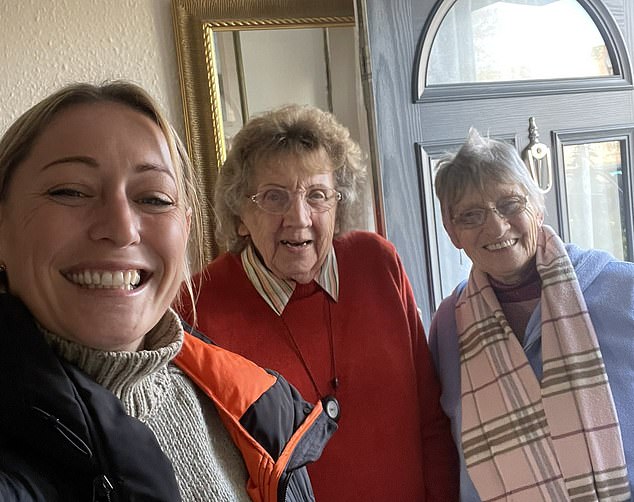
[[3, 267]]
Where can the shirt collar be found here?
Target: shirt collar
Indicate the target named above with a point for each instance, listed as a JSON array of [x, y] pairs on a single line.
[[277, 292]]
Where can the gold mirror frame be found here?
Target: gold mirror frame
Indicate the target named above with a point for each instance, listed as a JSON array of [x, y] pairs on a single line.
[[195, 22]]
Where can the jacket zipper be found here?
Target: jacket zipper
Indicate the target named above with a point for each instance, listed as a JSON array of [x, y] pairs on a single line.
[[102, 488], [284, 487]]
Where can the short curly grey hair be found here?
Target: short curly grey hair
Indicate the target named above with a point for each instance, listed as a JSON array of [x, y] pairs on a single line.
[[295, 129], [479, 163]]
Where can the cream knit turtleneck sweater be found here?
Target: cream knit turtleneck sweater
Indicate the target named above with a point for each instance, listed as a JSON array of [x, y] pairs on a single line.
[[186, 424]]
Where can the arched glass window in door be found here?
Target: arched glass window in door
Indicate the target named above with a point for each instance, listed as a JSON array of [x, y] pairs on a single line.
[[511, 40], [477, 47]]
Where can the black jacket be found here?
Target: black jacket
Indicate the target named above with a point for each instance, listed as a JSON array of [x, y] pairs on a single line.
[[65, 438]]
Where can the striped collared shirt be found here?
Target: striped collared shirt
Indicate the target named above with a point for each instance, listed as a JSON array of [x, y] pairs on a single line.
[[277, 292]]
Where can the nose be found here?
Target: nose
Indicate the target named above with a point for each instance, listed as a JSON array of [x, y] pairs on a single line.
[[299, 214], [496, 223], [115, 220]]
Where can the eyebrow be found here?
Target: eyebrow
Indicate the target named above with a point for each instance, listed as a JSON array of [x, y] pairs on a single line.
[[78, 159], [91, 162], [149, 166], [278, 185]]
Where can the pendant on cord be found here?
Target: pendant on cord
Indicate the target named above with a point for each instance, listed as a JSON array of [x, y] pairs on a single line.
[[331, 407]]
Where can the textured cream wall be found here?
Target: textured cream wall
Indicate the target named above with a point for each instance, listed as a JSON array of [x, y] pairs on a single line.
[[48, 43]]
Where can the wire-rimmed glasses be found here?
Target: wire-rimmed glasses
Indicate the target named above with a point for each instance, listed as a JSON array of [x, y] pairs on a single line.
[[279, 200], [506, 208]]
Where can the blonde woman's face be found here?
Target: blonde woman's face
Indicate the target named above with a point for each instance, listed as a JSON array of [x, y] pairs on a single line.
[[92, 232]]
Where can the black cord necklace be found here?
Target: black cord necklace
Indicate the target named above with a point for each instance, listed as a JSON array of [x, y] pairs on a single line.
[[334, 381]]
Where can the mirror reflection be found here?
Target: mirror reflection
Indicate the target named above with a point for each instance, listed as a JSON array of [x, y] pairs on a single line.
[[263, 69]]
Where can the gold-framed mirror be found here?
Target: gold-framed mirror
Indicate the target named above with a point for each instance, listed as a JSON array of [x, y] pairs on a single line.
[[197, 25]]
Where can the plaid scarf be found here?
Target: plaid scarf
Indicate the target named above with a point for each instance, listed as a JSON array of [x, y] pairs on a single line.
[[525, 441]]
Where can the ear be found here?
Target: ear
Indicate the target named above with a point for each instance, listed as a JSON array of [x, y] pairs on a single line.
[[453, 235], [450, 228], [540, 218], [243, 231]]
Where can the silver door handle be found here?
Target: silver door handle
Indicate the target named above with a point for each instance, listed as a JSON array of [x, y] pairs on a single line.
[[538, 158]]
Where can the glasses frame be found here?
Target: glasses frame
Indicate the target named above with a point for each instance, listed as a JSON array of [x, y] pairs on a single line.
[[492, 209], [336, 197]]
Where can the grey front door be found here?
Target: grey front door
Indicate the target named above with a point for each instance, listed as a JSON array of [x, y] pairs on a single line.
[[418, 117]]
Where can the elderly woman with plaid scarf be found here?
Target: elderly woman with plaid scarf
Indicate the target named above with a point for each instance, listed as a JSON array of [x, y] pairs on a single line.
[[534, 349]]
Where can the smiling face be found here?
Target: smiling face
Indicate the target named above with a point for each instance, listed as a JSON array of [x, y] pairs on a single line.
[[293, 245], [91, 231], [500, 247]]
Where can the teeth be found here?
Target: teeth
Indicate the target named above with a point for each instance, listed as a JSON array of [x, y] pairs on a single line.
[[106, 280], [117, 279], [296, 244], [501, 245], [120, 279]]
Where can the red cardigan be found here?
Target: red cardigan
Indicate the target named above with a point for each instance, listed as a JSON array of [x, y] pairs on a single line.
[[393, 442]]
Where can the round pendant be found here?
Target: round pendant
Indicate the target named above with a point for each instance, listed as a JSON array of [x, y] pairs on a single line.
[[331, 407]]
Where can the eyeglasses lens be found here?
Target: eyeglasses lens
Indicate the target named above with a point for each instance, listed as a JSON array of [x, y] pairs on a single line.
[[279, 200], [505, 208]]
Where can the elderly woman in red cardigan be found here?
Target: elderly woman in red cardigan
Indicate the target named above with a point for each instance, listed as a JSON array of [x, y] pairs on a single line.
[[330, 309]]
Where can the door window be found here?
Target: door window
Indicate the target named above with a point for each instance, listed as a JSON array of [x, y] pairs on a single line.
[[594, 196], [595, 178], [475, 49], [495, 41]]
